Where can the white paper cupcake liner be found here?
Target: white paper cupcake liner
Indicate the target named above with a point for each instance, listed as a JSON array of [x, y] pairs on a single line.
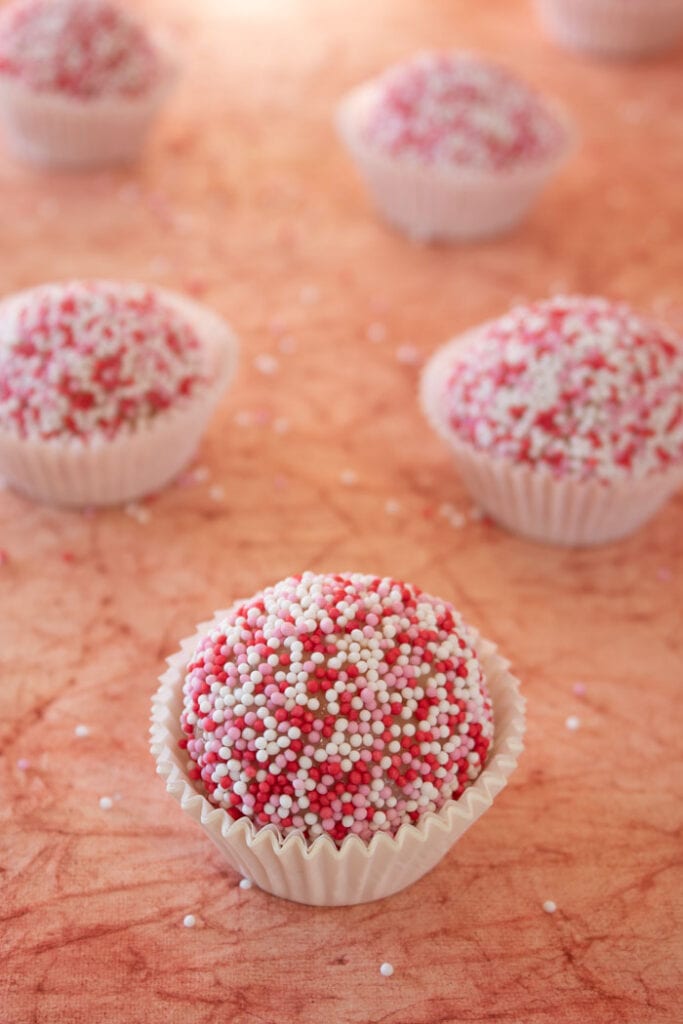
[[441, 203], [618, 28], [356, 872], [52, 130], [109, 472], [531, 501]]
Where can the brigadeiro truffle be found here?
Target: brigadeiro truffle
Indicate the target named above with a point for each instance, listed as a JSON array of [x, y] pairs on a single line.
[[81, 81], [452, 146], [565, 417], [613, 28], [105, 388], [335, 734]]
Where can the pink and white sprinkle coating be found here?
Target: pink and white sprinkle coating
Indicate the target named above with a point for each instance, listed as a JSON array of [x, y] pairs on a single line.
[[336, 704], [93, 359], [458, 110], [84, 49], [581, 386]]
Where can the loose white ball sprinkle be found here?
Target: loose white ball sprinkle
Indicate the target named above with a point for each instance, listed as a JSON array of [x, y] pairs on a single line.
[[376, 332], [216, 493], [189, 920], [408, 355], [106, 803], [348, 477], [246, 883], [392, 507], [573, 723], [309, 294], [82, 730], [266, 364], [550, 906], [386, 970]]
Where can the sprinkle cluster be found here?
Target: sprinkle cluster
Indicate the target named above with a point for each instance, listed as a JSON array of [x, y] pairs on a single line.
[[336, 704], [81, 48], [581, 386], [455, 109], [89, 359]]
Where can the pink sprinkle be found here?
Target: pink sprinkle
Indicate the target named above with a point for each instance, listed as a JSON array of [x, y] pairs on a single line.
[[579, 689], [4, 557], [664, 574], [23, 764]]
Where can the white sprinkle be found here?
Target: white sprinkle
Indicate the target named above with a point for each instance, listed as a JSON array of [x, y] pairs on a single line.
[[216, 493], [266, 364], [409, 355], [392, 507], [281, 425], [376, 332], [244, 418], [573, 723], [309, 294], [189, 920], [550, 907], [200, 474], [137, 512], [106, 803], [287, 345], [82, 730], [348, 477], [246, 883], [159, 267], [386, 970]]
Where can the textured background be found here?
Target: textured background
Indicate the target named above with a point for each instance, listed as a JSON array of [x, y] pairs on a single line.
[[245, 199]]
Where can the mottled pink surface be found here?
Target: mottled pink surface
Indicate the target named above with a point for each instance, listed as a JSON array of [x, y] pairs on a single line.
[[319, 459]]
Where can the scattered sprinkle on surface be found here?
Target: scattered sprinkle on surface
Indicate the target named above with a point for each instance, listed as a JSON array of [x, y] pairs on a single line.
[[92, 360], [573, 723], [4, 557], [386, 970], [82, 48], [216, 492], [189, 920], [454, 108], [579, 689], [348, 477], [408, 355], [82, 730], [246, 883], [580, 386], [106, 803], [550, 907], [336, 705], [281, 425], [23, 764], [376, 332], [138, 512], [309, 294], [392, 507], [266, 364]]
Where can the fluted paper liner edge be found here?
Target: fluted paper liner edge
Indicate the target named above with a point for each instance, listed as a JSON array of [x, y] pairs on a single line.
[[357, 872]]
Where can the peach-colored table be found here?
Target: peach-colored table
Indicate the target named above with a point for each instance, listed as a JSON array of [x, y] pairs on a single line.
[[245, 198]]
